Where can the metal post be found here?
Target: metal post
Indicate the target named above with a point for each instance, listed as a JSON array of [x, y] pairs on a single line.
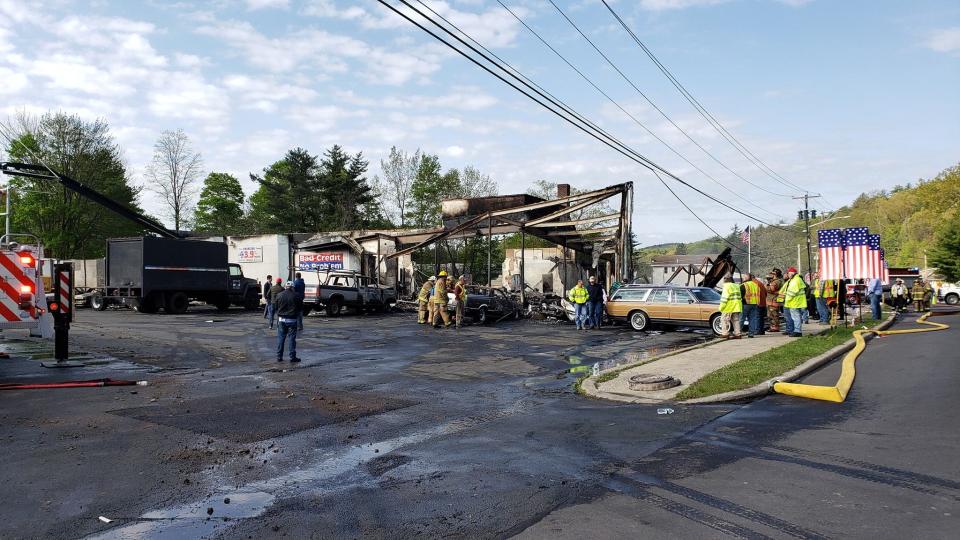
[[436, 258], [523, 256], [806, 215], [489, 247], [7, 214], [563, 280]]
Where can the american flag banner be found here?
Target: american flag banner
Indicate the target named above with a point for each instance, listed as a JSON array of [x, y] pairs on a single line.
[[876, 262], [745, 235], [856, 253], [830, 244]]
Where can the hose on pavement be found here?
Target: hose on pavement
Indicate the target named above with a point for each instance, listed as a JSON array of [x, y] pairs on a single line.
[[838, 392], [70, 384]]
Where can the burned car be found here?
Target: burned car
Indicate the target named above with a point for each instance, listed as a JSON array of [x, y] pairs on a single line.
[[486, 305]]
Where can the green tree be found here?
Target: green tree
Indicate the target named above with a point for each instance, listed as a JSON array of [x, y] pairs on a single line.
[[299, 192], [681, 249], [945, 255], [426, 193], [220, 208], [69, 225], [289, 195], [348, 201]]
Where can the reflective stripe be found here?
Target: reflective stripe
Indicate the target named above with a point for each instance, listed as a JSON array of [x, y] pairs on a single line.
[[184, 269]]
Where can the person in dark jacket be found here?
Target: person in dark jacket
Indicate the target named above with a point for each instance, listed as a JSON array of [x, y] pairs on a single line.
[[287, 305], [276, 289], [300, 287], [265, 295], [595, 301]]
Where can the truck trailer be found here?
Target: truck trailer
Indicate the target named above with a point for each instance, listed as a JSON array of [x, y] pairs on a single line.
[[150, 273]]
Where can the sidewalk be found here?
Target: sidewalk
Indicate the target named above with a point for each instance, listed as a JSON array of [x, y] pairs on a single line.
[[688, 366]]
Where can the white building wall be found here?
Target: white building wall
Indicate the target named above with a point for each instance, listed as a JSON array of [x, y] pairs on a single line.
[[261, 255]]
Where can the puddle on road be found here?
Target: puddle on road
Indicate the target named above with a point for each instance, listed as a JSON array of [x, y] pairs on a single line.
[[327, 472]]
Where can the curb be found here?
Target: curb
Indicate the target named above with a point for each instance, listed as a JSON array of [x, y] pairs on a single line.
[[588, 384], [764, 388]]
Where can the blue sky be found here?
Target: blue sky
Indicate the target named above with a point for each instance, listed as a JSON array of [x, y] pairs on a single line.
[[839, 97]]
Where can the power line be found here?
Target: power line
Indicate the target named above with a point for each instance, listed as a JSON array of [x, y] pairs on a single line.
[[568, 114], [654, 105], [730, 138], [630, 115], [729, 243]]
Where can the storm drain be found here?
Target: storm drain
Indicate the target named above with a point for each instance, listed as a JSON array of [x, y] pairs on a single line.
[[648, 382]]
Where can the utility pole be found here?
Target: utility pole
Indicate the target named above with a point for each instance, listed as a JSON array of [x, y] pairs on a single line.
[[805, 214]]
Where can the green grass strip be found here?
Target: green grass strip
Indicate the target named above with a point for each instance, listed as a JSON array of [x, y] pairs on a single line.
[[768, 364]]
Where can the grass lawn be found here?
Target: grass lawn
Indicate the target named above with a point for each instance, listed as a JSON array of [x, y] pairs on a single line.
[[766, 365]]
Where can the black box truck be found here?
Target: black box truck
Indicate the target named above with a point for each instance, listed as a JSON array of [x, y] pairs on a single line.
[[150, 273]]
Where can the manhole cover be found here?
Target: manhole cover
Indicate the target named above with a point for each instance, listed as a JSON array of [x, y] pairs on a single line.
[[649, 382]]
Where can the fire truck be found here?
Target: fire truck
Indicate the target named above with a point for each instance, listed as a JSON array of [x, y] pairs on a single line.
[[22, 301]]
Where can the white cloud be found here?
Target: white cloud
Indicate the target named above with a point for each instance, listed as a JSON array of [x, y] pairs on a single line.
[[493, 27], [13, 81], [322, 51], [946, 40], [186, 95], [322, 118], [254, 5], [661, 5], [453, 151]]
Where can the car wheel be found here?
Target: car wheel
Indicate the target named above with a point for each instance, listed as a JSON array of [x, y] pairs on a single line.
[[716, 325], [334, 307], [952, 299], [482, 316], [639, 320], [98, 302]]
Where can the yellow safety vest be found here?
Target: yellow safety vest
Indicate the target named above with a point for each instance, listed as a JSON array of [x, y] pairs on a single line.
[[730, 299], [463, 292], [751, 292], [816, 288], [578, 295], [829, 289], [796, 293]]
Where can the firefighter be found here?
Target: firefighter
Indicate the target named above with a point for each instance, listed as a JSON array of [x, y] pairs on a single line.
[[795, 302], [898, 294], [731, 305], [919, 294], [440, 301], [774, 284], [424, 300], [460, 293]]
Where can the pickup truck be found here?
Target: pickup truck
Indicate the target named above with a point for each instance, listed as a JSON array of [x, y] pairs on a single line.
[[347, 289], [950, 293]]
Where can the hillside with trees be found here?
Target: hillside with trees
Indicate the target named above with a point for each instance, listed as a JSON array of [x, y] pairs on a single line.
[[913, 219]]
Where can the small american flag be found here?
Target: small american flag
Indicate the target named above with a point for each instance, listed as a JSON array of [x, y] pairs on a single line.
[[876, 263], [886, 268], [830, 243], [745, 235], [857, 252]]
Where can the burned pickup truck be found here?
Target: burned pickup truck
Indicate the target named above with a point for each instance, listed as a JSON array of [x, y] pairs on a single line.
[[352, 290]]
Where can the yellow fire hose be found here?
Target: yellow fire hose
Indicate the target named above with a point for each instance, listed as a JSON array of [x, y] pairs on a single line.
[[838, 392]]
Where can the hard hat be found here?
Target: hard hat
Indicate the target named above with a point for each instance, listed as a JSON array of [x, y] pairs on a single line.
[[792, 269], [289, 285], [433, 278], [443, 273]]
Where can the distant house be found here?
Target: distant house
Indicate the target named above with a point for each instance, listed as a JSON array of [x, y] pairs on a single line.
[[663, 266]]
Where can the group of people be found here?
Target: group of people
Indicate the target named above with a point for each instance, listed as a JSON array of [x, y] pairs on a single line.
[[587, 303], [284, 308], [753, 302], [921, 295], [433, 301]]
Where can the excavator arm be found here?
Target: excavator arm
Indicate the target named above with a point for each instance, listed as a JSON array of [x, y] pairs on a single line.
[[28, 170]]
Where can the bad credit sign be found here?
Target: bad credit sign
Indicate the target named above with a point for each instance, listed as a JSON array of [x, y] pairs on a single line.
[[311, 261]]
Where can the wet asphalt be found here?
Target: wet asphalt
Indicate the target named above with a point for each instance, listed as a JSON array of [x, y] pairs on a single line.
[[393, 430]]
